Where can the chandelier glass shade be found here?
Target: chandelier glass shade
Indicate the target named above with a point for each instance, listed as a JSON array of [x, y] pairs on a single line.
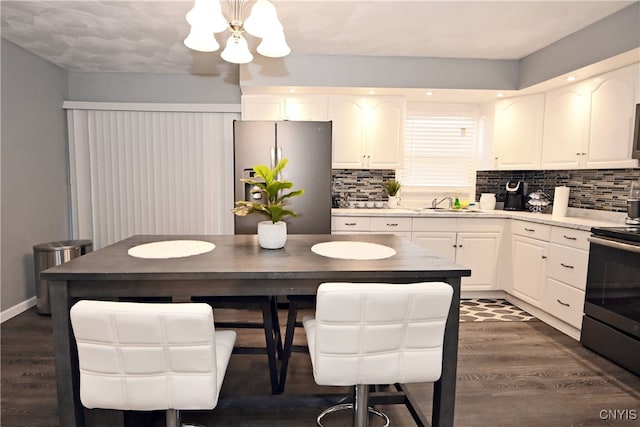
[[206, 19]]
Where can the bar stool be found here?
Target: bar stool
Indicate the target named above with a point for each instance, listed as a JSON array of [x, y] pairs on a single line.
[[374, 333], [146, 357]]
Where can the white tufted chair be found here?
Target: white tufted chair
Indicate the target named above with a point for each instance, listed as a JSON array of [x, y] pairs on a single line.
[[145, 357], [373, 333]]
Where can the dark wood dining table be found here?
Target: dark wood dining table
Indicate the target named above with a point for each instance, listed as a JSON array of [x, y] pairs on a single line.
[[238, 267]]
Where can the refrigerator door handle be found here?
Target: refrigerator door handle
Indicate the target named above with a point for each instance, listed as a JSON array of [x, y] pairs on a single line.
[[273, 159], [276, 156]]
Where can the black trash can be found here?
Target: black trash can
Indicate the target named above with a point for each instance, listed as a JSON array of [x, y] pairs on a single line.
[[47, 255]]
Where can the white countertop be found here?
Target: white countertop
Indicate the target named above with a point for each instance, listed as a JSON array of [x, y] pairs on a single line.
[[579, 219]]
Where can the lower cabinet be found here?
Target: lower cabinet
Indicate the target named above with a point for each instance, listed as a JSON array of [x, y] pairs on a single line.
[[550, 273], [529, 260], [564, 302], [477, 250], [400, 226], [542, 267]]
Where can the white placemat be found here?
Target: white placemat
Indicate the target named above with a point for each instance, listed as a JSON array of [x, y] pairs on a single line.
[[353, 250], [171, 249]]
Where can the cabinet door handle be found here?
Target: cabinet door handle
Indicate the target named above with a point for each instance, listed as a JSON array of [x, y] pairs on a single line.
[[392, 225], [563, 303], [566, 265], [569, 237], [530, 230], [544, 257], [349, 224]]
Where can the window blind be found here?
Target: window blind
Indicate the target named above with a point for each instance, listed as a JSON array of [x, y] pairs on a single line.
[[439, 152], [150, 172]]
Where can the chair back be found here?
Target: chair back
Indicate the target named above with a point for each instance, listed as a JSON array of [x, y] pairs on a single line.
[[375, 333], [136, 356]]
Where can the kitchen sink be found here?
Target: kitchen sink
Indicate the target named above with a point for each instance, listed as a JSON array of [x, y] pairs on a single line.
[[441, 210]]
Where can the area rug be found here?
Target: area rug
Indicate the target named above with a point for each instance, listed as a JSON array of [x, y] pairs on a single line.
[[492, 310]]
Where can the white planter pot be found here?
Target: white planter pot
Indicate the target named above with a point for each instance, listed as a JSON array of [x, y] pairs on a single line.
[[272, 235], [394, 201]]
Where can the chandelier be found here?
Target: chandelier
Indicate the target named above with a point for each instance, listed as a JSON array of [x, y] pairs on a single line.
[[206, 18]]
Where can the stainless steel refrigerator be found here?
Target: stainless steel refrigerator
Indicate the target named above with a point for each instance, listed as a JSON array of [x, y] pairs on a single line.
[[307, 146]]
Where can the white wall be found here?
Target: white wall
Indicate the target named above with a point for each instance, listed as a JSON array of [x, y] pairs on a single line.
[[34, 167]]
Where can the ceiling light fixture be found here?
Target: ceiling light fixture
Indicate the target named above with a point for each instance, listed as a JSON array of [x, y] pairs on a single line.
[[206, 18], [571, 78]]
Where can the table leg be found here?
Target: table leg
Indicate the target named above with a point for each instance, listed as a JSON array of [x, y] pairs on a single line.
[[444, 390], [270, 339], [70, 409]]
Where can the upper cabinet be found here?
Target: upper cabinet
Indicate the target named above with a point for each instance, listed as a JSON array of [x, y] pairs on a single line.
[[613, 98], [590, 124], [518, 132], [566, 120], [280, 107], [368, 132], [583, 125]]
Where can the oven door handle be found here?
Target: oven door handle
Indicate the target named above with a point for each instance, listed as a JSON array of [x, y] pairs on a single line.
[[615, 244]]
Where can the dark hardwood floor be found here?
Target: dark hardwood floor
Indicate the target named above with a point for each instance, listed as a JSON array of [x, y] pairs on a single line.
[[510, 374]]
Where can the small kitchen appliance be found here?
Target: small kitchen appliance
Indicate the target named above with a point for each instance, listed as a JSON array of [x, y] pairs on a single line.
[[633, 204], [514, 199]]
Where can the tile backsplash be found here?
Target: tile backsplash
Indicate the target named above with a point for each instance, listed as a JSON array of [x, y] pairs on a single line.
[[599, 189], [361, 184]]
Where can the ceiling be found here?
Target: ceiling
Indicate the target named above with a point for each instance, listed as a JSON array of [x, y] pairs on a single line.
[[146, 36]]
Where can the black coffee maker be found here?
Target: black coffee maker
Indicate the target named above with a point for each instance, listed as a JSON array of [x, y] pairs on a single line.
[[515, 197]]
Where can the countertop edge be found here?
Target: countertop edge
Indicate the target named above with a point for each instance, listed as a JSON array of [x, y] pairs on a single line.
[[577, 223]]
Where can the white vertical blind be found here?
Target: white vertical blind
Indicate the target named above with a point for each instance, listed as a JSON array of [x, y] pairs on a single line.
[[140, 172], [439, 151]]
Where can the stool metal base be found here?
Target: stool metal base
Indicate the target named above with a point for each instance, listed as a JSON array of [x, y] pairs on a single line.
[[345, 406]]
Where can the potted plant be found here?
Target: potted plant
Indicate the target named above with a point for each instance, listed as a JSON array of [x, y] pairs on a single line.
[[392, 187], [272, 233]]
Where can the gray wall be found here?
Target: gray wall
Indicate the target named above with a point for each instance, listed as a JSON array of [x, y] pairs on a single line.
[[604, 39], [611, 36], [35, 190], [34, 166], [164, 88]]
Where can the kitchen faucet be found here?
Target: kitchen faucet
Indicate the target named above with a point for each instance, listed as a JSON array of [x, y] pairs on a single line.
[[435, 202]]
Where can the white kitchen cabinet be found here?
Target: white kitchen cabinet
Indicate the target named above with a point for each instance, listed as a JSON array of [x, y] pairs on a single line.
[[613, 98], [529, 249], [400, 226], [263, 107], [441, 243], [566, 122], [518, 132], [350, 224], [590, 124], [281, 107], [368, 132], [566, 275], [473, 243]]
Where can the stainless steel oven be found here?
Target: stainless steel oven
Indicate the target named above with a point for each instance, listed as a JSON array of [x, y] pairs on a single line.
[[611, 321]]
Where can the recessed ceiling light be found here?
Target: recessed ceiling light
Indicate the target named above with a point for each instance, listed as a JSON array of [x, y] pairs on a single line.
[[372, 92], [571, 78], [292, 90], [500, 95], [429, 93]]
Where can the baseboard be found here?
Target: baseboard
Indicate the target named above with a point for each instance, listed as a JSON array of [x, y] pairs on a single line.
[[483, 294], [17, 309]]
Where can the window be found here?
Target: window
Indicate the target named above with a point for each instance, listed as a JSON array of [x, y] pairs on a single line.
[[439, 152]]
